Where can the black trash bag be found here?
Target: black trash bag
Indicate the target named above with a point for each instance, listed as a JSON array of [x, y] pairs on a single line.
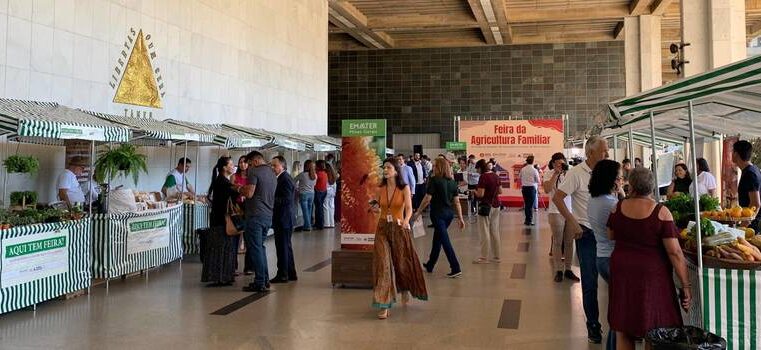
[[685, 338]]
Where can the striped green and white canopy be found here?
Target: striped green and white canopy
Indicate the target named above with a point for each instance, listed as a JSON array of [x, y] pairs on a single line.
[[33, 121], [320, 143], [726, 100], [276, 139], [155, 129], [225, 136]]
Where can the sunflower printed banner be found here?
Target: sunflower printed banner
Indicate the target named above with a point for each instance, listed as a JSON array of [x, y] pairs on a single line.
[[362, 151]]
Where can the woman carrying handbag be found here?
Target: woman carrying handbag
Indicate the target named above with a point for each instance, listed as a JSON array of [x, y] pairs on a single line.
[[487, 192], [219, 265]]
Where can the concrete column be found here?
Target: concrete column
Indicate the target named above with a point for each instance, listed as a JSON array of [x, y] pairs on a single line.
[[642, 47], [632, 60], [715, 30]]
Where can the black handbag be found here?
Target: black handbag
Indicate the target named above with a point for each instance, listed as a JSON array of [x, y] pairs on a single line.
[[484, 209]]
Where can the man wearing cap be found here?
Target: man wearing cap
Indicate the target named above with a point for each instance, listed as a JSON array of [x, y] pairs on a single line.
[[174, 180], [69, 190]]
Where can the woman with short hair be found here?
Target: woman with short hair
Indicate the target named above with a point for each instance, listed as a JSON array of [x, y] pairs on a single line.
[[642, 291]]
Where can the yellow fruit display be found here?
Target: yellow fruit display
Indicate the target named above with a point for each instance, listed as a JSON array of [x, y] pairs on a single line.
[[747, 212], [736, 212], [749, 232]]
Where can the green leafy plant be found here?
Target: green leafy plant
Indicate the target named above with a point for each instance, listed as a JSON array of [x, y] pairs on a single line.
[[121, 161], [23, 197], [708, 202], [21, 164]]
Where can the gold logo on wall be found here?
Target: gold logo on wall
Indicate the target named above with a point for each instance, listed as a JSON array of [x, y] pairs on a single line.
[[140, 84]]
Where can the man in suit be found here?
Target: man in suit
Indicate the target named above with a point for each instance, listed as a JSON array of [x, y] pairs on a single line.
[[282, 222]]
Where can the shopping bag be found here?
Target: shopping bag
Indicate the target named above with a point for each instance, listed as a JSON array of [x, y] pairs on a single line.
[[418, 228]]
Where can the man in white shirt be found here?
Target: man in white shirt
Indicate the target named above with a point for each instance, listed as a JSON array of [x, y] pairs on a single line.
[[173, 184], [69, 190], [576, 185], [418, 169], [529, 182]]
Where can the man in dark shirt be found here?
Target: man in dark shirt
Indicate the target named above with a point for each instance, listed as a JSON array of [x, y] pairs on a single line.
[[282, 222], [260, 200], [750, 180]]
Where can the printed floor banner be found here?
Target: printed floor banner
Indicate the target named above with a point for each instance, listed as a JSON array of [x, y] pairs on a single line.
[[43, 261], [130, 242], [32, 257], [362, 151], [509, 142], [146, 233]]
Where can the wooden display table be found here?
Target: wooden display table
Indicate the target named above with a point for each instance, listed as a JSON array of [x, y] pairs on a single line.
[[352, 268]]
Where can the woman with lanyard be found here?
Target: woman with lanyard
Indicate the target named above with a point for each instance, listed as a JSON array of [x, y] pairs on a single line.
[[395, 263]]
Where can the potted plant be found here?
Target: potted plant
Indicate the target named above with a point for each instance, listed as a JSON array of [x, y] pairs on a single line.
[[23, 198], [21, 164], [120, 161]]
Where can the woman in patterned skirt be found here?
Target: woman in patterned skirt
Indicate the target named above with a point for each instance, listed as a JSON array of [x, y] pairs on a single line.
[[394, 256]]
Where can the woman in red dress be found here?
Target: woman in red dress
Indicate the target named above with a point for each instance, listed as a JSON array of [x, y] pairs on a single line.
[[642, 291]]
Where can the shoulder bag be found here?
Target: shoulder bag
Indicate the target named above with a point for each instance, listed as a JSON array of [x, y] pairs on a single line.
[[484, 209], [233, 219]]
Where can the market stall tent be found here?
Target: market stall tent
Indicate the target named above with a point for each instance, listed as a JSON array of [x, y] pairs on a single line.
[[66, 266], [151, 132], [34, 121], [726, 100]]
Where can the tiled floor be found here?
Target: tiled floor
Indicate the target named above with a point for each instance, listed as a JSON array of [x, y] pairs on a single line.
[[170, 308]]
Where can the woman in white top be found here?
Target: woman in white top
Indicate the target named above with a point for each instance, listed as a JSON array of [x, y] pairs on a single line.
[[329, 207], [562, 242], [706, 180]]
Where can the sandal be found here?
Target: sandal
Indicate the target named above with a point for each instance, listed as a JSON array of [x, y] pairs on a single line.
[[497, 260], [383, 314], [481, 261]]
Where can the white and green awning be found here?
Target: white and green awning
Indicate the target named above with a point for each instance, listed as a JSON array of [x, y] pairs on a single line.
[[31, 120], [275, 139], [726, 100], [154, 129], [320, 143], [225, 136]]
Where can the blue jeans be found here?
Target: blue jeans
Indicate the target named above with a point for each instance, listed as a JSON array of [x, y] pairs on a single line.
[[319, 213], [255, 233], [441, 223], [603, 267], [586, 250], [529, 198], [307, 206]]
